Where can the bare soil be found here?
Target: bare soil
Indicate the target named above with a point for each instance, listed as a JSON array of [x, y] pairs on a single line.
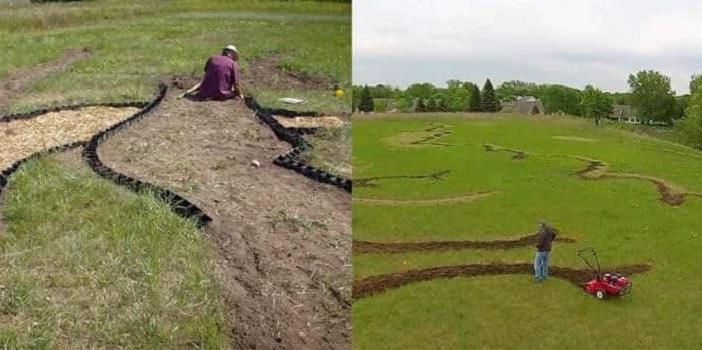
[[283, 241], [432, 201], [377, 284], [363, 247], [373, 181], [18, 82], [265, 73]]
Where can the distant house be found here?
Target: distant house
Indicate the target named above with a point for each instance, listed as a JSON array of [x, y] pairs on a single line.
[[624, 114], [528, 105]]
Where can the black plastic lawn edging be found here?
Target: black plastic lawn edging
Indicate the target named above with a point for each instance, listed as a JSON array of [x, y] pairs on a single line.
[[7, 172], [179, 205], [38, 112], [291, 159]]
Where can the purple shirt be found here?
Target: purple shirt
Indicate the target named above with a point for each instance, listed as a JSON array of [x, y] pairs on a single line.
[[221, 73]]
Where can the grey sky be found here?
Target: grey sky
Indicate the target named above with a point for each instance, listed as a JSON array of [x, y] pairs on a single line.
[[569, 42]]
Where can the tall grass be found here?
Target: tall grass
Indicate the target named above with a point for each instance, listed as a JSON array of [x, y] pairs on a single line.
[[87, 264]]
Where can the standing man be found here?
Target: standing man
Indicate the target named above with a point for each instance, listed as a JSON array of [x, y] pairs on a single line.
[[222, 80], [546, 235]]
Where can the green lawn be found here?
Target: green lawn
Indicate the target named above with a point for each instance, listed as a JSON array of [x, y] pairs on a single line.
[[135, 43], [622, 218], [89, 264]]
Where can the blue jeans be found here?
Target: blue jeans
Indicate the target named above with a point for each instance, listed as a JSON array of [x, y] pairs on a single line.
[[541, 266]]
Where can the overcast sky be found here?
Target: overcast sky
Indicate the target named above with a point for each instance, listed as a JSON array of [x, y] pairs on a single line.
[[573, 43]]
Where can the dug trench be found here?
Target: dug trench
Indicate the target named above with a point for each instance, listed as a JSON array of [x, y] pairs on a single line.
[[595, 169], [16, 83], [365, 247], [373, 181], [378, 284], [282, 240]]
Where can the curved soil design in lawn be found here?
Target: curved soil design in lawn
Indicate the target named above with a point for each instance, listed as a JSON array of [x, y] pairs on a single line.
[[425, 137], [373, 181], [283, 241], [16, 83], [517, 154], [670, 194], [378, 284], [460, 199], [598, 170], [364, 247]]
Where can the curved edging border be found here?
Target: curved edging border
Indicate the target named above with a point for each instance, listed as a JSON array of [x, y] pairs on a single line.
[[291, 159], [7, 172], [179, 205]]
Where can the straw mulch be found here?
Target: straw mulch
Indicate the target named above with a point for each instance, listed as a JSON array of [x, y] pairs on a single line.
[[310, 122], [21, 138]]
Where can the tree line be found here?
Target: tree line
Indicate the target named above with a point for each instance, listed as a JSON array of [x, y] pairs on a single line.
[[650, 96]]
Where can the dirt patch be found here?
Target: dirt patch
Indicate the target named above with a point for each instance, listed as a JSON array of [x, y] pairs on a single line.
[[283, 241], [18, 82], [363, 247], [267, 73], [373, 181], [516, 153], [377, 284], [460, 199], [428, 136], [21, 138]]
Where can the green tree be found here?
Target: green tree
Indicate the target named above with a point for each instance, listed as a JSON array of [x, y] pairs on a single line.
[[652, 97], [489, 100], [474, 101], [366, 103], [421, 107], [559, 98], [456, 96], [510, 90], [692, 125], [432, 106], [595, 104], [695, 83], [423, 90]]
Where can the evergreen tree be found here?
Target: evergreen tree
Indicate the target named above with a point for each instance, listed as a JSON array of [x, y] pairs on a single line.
[[366, 101], [431, 105], [421, 107], [474, 102], [489, 100]]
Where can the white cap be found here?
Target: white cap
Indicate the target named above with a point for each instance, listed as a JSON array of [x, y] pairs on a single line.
[[231, 48]]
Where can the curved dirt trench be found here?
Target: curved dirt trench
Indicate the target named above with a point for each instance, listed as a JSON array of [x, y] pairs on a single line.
[[373, 181], [670, 194], [283, 241], [365, 247], [449, 200], [378, 284], [18, 82]]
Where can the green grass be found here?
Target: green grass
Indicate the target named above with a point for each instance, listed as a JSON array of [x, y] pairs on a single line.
[[88, 264], [622, 219], [135, 43]]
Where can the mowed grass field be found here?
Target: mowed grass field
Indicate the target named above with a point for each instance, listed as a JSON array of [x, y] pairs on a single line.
[[86, 263], [622, 218], [133, 44]]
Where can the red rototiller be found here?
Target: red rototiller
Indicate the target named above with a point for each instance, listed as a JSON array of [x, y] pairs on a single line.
[[603, 285]]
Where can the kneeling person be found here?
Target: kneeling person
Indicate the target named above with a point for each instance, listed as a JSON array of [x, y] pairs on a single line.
[[222, 79]]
